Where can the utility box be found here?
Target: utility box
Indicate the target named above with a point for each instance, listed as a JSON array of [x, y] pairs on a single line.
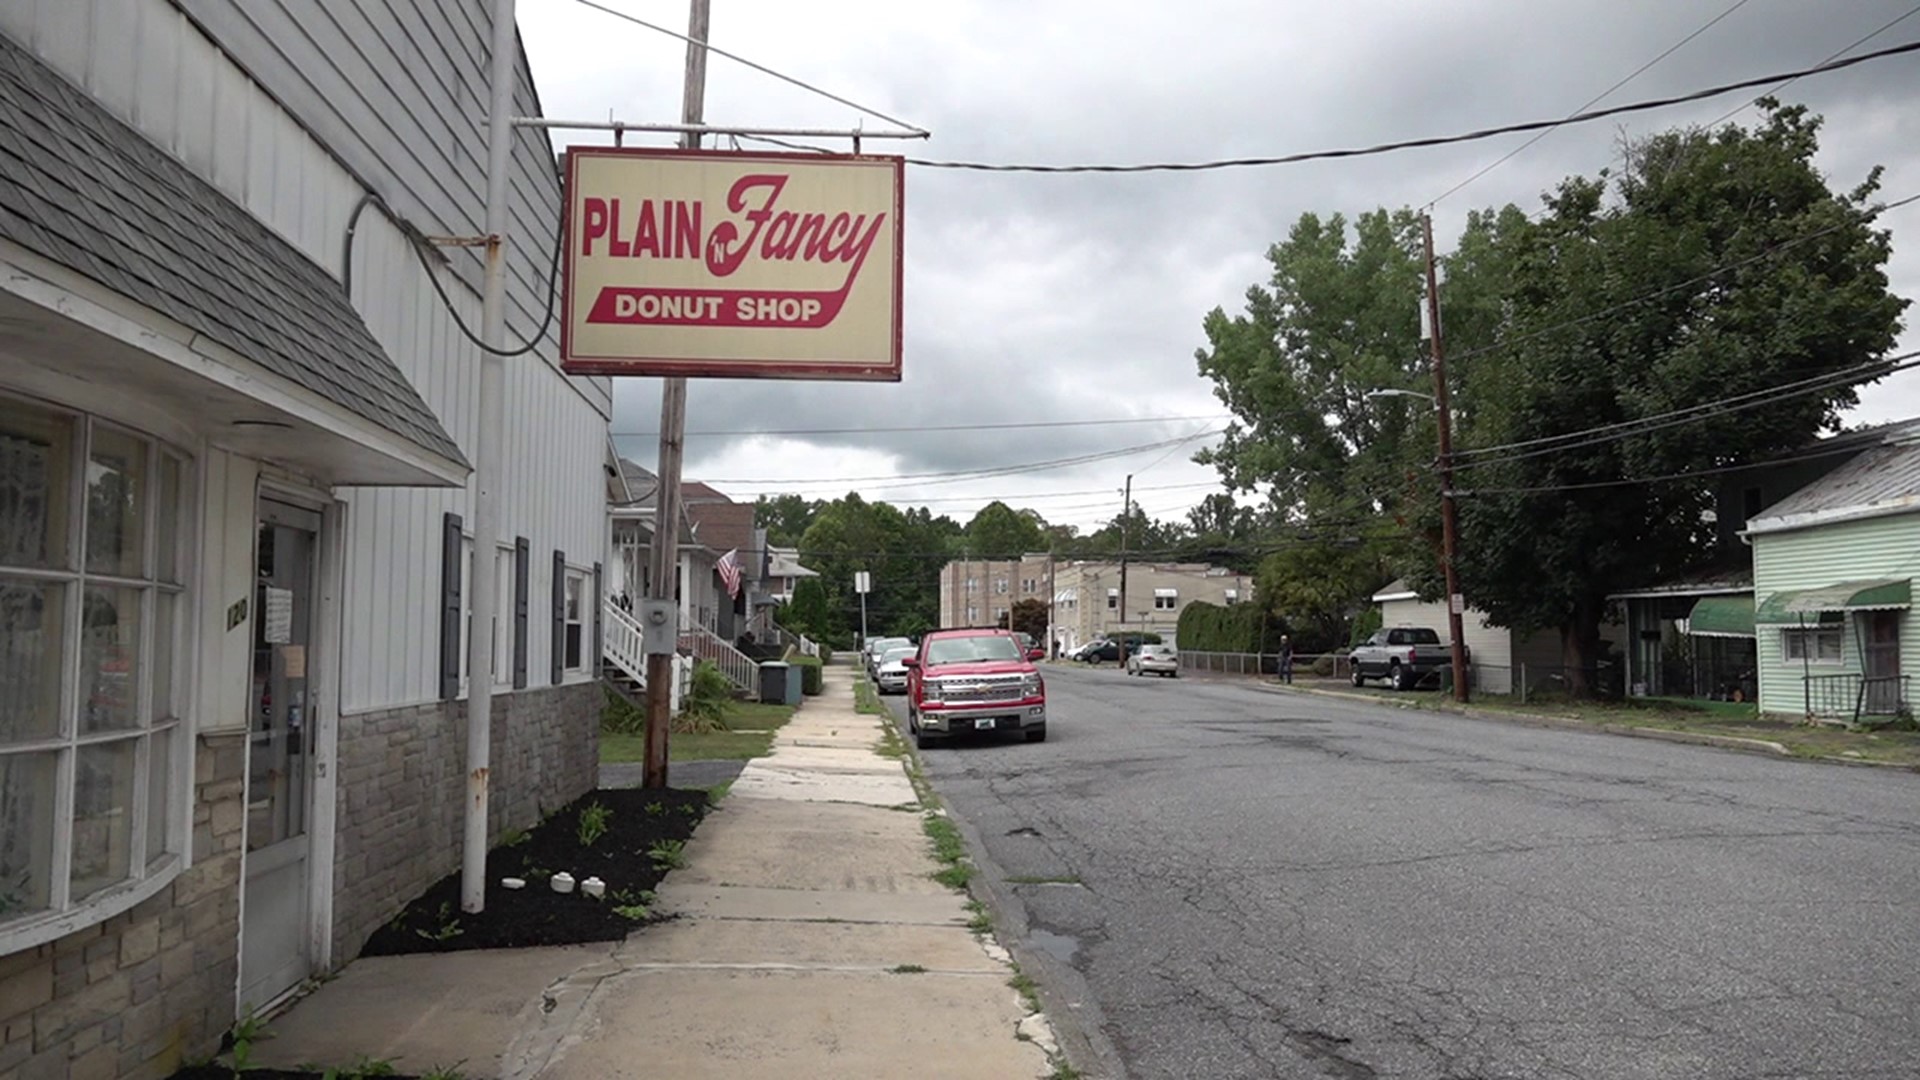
[[779, 683]]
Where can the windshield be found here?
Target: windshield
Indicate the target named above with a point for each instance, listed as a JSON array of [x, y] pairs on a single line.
[[1156, 650], [897, 653], [1417, 637], [887, 644], [959, 650]]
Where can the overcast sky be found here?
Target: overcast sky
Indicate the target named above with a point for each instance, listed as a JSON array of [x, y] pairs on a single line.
[[1035, 298]]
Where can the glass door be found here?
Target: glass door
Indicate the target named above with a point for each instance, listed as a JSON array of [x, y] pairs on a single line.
[[274, 951]]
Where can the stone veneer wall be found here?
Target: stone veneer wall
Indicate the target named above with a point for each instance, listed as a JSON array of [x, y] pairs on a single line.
[[403, 789], [154, 986]]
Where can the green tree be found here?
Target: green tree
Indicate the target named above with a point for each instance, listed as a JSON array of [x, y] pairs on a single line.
[[1337, 319], [1626, 315], [1029, 616], [785, 517], [1318, 586], [809, 612], [1000, 532]]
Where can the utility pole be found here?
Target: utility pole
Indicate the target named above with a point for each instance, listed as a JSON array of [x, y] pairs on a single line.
[[1449, 529], [673, 431], [487, 471], [1126, 526]]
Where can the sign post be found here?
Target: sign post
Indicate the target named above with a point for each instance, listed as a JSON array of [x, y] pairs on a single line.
[[862, 584]]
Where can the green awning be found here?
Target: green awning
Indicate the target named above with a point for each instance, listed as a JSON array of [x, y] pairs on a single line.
[[1722, 616], [1876, 595]]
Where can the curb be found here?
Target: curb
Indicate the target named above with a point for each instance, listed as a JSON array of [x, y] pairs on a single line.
[[1763, 747]]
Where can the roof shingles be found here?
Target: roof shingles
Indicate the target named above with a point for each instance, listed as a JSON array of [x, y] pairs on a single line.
[[172, 241]]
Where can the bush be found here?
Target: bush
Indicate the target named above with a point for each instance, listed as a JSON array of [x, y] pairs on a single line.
[[1323, 666], [620, 717], [812, 674], [1236, 628], [704, 707]]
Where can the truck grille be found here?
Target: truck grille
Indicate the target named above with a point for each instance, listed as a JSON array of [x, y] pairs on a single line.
[[983, 688]]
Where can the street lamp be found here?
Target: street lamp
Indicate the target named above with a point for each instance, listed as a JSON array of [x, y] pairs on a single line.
[[1449, 531]]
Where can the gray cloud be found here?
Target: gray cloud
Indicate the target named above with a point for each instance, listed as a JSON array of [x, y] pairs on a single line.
[[1064, 297]]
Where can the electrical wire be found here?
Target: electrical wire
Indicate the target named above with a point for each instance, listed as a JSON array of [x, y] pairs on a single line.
[[762, 68], [918, 428], [1437, 140], [1903, 362], [424, 249], [1592, 101], [1843, 374], [1784, 83], [1695, 474]]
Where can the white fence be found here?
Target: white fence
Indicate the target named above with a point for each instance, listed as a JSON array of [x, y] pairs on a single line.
[[620, 645]]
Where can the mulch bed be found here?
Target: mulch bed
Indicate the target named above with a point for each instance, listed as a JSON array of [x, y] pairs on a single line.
[[223, 1073], [638, 820]]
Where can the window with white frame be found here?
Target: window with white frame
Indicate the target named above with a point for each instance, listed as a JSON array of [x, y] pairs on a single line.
[[1113, 599], [1233, 596], [575, 628], [1000, 586], [1821, 643], [1166, 599], [503, 601], [92, 604], [972, 614], [969, 584]]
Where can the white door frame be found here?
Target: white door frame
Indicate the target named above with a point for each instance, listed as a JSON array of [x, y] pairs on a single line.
[[323, 682]]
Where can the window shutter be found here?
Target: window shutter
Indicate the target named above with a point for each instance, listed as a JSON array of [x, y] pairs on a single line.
[[452, 554], [522, 565], [559, 616], [599, 602]]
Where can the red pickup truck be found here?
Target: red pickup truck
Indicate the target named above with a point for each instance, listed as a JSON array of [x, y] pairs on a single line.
[[974, 681]]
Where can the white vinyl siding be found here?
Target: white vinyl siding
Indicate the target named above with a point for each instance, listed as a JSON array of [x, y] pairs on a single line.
[[180, 89], [1886, 547]]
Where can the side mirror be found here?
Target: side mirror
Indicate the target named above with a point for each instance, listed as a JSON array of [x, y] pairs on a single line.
[[910, 662], [1036, 654]]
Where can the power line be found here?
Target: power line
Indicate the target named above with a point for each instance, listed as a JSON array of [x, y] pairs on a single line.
[[918, 428], [1590, 102], [1784, 83], [762, 68], [1902, 362], [1693, 475], [1771, 391], [1437, 140]]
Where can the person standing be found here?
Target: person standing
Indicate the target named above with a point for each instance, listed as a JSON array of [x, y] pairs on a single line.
[[1286, 659]]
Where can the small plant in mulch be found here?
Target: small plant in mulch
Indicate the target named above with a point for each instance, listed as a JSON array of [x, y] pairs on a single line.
[[628, 838]]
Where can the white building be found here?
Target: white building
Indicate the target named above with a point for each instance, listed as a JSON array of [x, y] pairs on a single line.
[[236, 421]]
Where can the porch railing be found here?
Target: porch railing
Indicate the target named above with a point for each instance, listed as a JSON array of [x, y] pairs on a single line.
[[620, 641], [1849, 697], [765, 629], [620, 646], [740, 669]]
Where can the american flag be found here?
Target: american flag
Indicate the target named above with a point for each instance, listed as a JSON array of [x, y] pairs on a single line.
[[729, 567]]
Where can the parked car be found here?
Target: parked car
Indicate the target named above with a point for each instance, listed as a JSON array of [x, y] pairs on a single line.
[[891, 675], [964, 682], [1150, 659], [875, 648], [1405, 656], [1097, 650]]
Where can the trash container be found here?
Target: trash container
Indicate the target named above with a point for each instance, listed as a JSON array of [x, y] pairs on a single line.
[[779, 683]]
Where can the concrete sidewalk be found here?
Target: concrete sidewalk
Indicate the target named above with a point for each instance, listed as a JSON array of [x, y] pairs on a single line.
[[810, 941]]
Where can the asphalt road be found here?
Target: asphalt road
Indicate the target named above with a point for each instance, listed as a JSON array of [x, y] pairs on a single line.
[[1244, 883]]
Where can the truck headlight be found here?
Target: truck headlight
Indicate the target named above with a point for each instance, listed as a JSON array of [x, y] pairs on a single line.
[[1030, 685], [929, 690]]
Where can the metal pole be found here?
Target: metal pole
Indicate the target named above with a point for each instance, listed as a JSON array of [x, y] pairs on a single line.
[[1126, 524], [863, 619], [673, 430], [1449, 530], [487, 470]]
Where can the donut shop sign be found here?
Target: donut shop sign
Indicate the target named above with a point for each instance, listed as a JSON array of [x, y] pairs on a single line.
[[732, 264]]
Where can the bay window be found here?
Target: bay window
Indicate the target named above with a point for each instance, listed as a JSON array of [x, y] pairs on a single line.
[[91, 622]]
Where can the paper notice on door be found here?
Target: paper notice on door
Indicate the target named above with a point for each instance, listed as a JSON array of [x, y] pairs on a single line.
[[293, 659], [278, 613]]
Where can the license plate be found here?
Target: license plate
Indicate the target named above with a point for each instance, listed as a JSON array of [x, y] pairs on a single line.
[[985, 723]]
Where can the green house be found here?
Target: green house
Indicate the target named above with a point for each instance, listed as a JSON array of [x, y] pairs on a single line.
[[1833, 565]]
